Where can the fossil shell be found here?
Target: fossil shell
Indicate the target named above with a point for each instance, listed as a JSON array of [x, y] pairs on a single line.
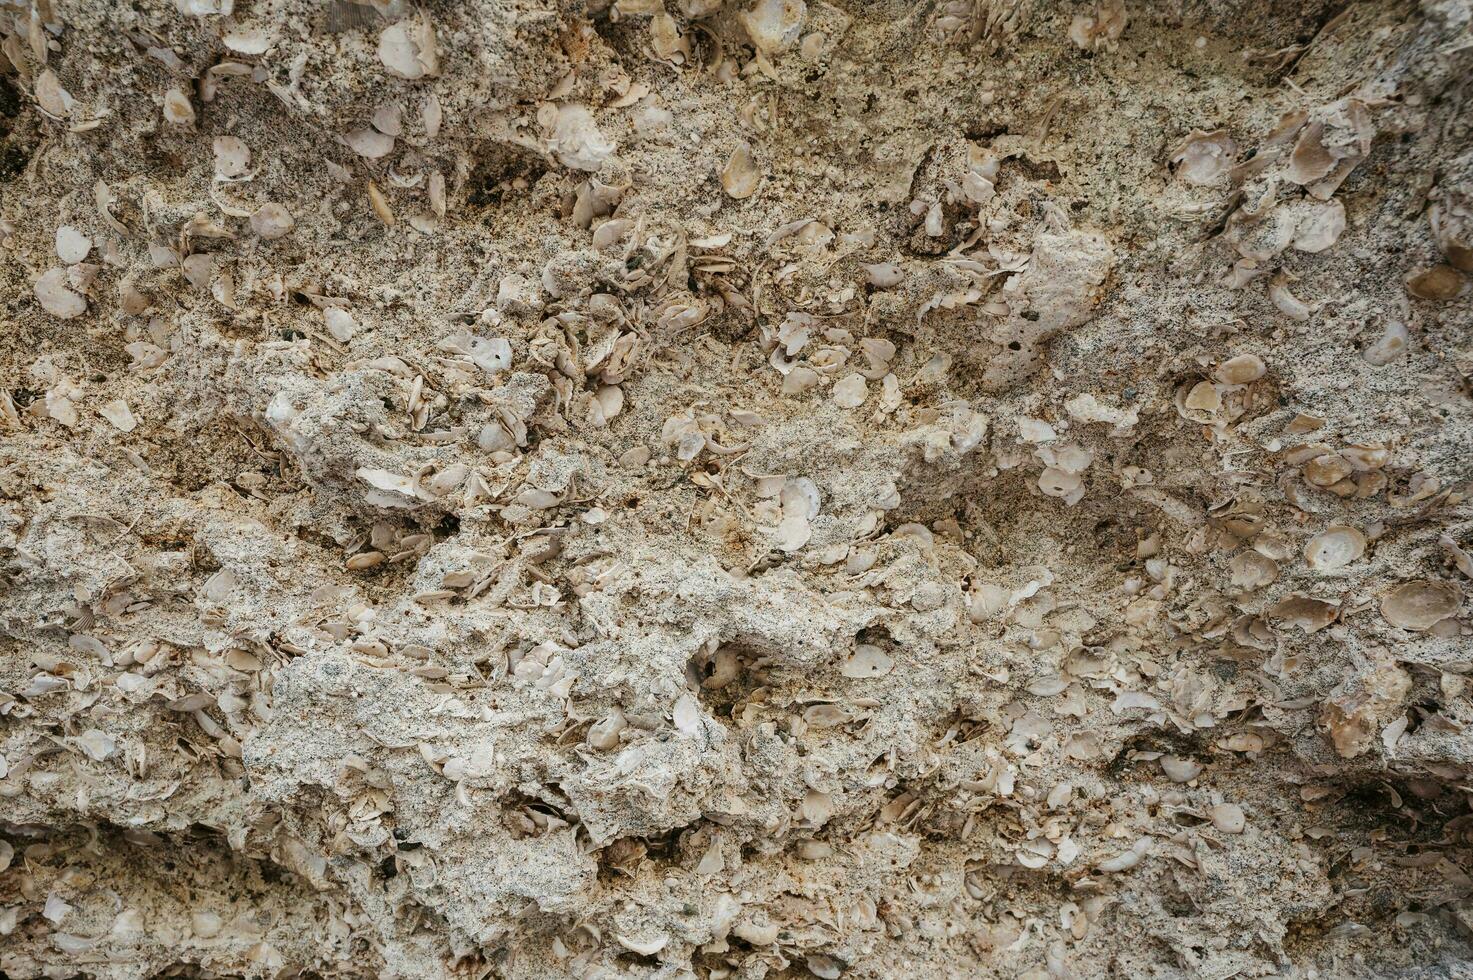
[[1335, 547], [1227, 817], [774, 26], [740, 176], [1205, 158], [272, 221], [1319, 227], [232, 157], [1439, 284], [51, 97], [56, 296], [1240, 370], [71, 245], [867, 661], [407, 49], [1420, 605]]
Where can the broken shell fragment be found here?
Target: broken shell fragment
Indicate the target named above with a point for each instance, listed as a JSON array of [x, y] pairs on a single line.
[[177, 107], [1227, 817], [57, 297], [1240, 370], [407, 49], [51, 97], [774, 26], [1439, 284], [272, 221], [1335, 547], [1419, 606], [232, 157], [867, 661], [1389, 346], [740, 176], [1205, 158], [1319, 227], [71, 245]]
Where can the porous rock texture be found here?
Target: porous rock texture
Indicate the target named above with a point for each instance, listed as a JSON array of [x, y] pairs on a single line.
[[674, 488]]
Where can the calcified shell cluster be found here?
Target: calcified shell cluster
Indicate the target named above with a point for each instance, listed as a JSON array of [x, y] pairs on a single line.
[[736, 489]]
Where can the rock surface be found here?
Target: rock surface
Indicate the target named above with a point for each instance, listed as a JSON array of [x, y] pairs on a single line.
[[699, 489]]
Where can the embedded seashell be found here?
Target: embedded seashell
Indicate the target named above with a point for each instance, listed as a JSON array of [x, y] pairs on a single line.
[[1241, 370], [977, 188], [1286, 302], [54, 293], [340, 323], [1366, 457], [1308, 614], [774, 26], [867, 661], [1227, 817], [883, 275], [1310, 161], [1389, 346], [644, 947], [1205, 158], [387, 481], [577, 141], [1128, 859], [1319, 227], [387, 120], [407, 49], [248, 41], [793, 532], [118, 413], [604, 733], [1180, 770], [850, 392], [764, 934], [1327, 470], [1251, 571], [51, 97], [1203, 397], [825, 715], [369, 143], [71, 245], [177, 107], [1055, 482], [272, 221], [740, 176], [1100, 31], [232, 157], [1335, 547], [1419, 606], [1439, 284]]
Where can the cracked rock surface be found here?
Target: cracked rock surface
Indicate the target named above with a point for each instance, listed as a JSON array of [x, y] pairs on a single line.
[[690, 488]]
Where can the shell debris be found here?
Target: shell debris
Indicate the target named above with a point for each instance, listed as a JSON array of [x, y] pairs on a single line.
[[736, 489]]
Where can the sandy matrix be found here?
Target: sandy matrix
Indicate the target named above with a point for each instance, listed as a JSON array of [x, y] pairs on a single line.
[[693, 489]]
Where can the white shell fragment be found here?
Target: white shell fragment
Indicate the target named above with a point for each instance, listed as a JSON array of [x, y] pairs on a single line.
[[867, 661], [71, 245], [577, 139], [50, 95], [1334, 548], [741, 176], [118, 413], [54, 292], [178, 109], [232, 157], [408, 50], [271, 221], [774, 26]]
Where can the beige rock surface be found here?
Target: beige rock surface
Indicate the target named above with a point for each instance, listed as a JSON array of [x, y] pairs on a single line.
[[534, 488]]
